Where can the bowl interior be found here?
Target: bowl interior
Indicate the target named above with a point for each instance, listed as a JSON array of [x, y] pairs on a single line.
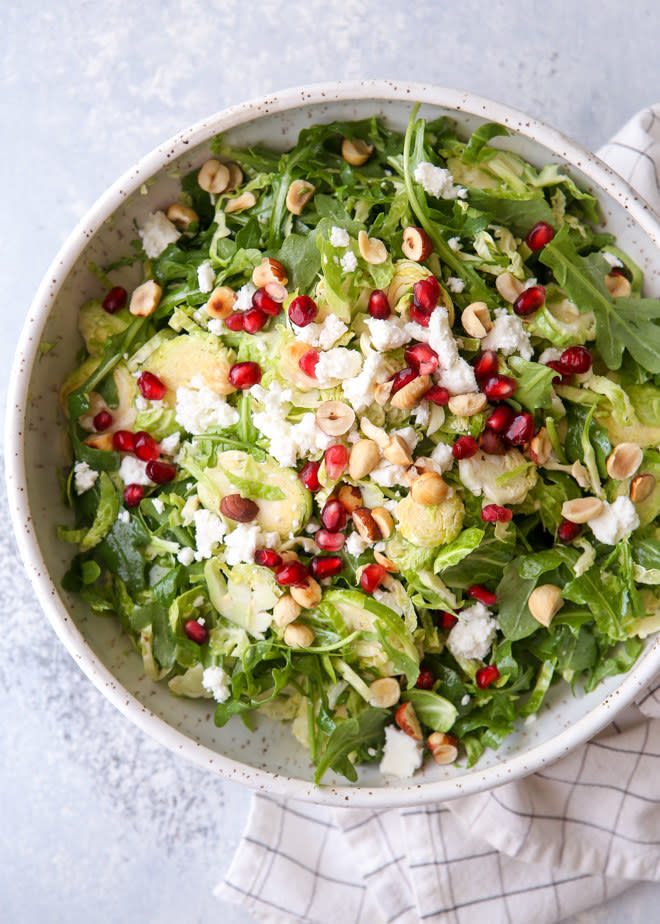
[[267, 756]]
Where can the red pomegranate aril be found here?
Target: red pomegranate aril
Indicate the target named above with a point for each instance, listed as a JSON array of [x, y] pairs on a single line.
[[486, 365], [291, 573], [446, 620], [480, 593], [122, 440], [486, 675], [145, 446], [151, 386], [161, 472], [336, 460], [115, 300], [425, 680], [308, 361], [499, 387], [245, 375], [334, 516], [437, 394], [421, 357], [133, 494], [500, 419], [324, 566], [420, 315], [403, 378], [568, 531], [575, 359], [235, 321], [103, 420], [263, 302], [529, 301], [196, 632], [254, 320], [309, 475], [329, 541], [302, 310], [493, 513], [268, 558], [520, 430], [564, 377], [540, 235], [465, 447], [426, 293], [378, 306], [372, 577], [493, 443]]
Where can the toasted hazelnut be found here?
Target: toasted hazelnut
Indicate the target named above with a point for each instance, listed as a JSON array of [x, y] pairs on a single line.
[[213, 177], [334, 417], [298, 195], [308, 595], [580, 473], [221, 302], [372, 432], [100, 441], [544, 603], [145, 299], [269, 270], [245, 201], [290, 365], [386, 562], [297, 635], [238, 508], [289, 555], [371, 249], [624, 460], [364, 457], [416, 244], [429, 489], [443, 747], [397, 451], [406, 718], [355, 151], [384, 520], [540, 447], [276, 291], [508, 286], [617, 285], [385, 692], [641, 487], [476, 320], [467, 405], [408, 397], [286, 611], [182, 216], [235, 175], [350, 496], [382, 392], [581, 509], [366, 525]]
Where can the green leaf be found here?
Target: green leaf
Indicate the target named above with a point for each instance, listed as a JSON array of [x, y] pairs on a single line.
[[252, 488], [355, 734], [456, 551], [474, 152], [106, 513], [432, 710], [605, 595], [533, 383], [121, 552], [301, 257], [484, 565], [513, 591]]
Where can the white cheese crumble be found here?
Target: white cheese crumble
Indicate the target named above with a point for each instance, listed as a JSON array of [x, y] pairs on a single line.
[[482, 475], [508, 335], [134, 471], [124, 516], [241, 543], [244, 297], [455, 284], [616, 521], [611, 259], [198, 408], [402, 755], [84, 477], [349, 262], [216, 680], [339, 237], [473, 634], [186, 556], [442, 456], [454, 373], [438, 182], [454, 243], [170, 444], [359, 391], [549, 355], [390, 333], [338, 364], [388, 474], [209, 531], [288, 441], [356, 545], [205, 277], [157, 233], [158, 505], [323, 335]]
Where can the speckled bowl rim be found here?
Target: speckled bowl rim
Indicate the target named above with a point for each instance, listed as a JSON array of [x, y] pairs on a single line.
[[404, 793]]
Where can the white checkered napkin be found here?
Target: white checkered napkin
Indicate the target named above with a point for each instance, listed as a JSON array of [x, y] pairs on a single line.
[[634, 153]]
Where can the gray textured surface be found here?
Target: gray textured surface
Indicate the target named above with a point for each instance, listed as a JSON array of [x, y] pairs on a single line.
[[99, 823]]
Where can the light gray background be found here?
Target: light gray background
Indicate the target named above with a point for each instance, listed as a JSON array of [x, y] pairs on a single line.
[[98, 823]]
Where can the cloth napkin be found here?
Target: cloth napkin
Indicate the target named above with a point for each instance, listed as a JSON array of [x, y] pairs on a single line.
[[538, 849]]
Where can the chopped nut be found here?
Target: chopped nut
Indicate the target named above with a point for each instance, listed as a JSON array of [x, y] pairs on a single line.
[[299, 194], [366, 525], [476, 320], [386, 562], [641, 487], [221, 302], [382, 392], [286, 611], [100, 441], [364, 457], [384, 520], [581, 509], [406, 718], [308, 595], [213, 177], [580, 473], [350, 496], [372, 432], [544, 603], [334, 417], [397, 451], [297, 635], [443, 747], [356, 151], [145, 299], [245, 201], [416, 244], [182, 216], [624, 460], [289, 555], [540, 447], [429, 489], [617, 285], [238, 508], [235, 175], [276, 291], [371, 249], [508, 286], [411, 394], [467, 405], [269, 270], [385, 692]]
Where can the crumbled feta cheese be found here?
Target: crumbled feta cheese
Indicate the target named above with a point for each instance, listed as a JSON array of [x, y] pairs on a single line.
[[481, 474], [455, 284], [388, 474], [465, 700], [338, 364], [438, 182], [205, 277], [473, 634], [616, 521], [198, 408], [422, 414], [158, 505], [241, 543], [244, 297], [216, 680], [312, 527], [348, 262], [402, 755], [356, 545], [157, 233], [323, 335], [359, 391], [408, 435], [339, 237], [134, 471], [454, 373], [549, 355], [443, 457], [508, 335], [454, 243], [170, 444], [141, 404], [84, 477], [288, 441], [124, 516], [611, 259], [185, 556], [209, 530], [389, 333]]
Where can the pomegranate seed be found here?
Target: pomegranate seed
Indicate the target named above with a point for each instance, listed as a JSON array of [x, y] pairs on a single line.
[[421, 357], [196, 632], [122, 440], [234, 321], [378, 306], [290, 573], [254, 319], [263, 302], [302, 310], [540, 235], [437, 395], [465, 447], [145, 446], [329, 542], [245, 375], [268, 558], [151, 386], [309, 475], [336, 460], [521, 429], [426, 293], [446, 620], [161, 472], [486, 365], [493, 443], [420, 315], [493, 513], [308, 361], [499, 387], [372, 577], [568, 531], [576, 359], [529, 301], [115, 300], [333, 516], [500, 419], [403, 378], [486, 675], [480, 593], [564, 377], [323, 566], [425, 680], [133, 494], [103, 420]]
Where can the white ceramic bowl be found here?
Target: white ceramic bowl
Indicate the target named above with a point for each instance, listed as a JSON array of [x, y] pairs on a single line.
[[268, 758]]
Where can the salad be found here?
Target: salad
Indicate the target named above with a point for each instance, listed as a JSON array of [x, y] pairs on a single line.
[[373, 448]]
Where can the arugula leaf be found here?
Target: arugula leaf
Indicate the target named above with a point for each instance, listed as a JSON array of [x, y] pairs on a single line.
[[474, 150], [355, 734], [432, 710], [465, 543], [513, 591], [300, 255], [533, 383], [606, 596], [121, 552], [484, 565], [106, 513]]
